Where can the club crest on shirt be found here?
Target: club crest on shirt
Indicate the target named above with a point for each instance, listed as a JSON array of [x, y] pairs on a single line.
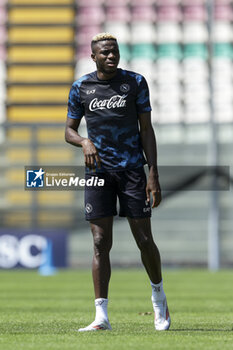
[[125, 87]]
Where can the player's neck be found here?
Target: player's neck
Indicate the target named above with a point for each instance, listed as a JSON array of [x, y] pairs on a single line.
[[105, 76]]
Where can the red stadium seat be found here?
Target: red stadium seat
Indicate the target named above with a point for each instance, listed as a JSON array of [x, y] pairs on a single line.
[[171, 13], [3, 34], [118, 13], [3, 53], [222, 2], [90, 14], [195, 13], [84, 51], [3, 14], [85, 33], [223, 12], [143, 13]]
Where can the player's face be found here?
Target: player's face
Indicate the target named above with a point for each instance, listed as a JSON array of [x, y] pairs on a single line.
[[106, 56]]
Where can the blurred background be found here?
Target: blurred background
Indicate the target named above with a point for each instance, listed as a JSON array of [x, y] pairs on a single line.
[[184, 49]]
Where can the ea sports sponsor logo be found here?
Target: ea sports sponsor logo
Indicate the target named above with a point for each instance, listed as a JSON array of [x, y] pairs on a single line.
[[116, 101], [88, 208]]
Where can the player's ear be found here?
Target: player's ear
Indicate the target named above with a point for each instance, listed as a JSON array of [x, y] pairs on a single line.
[[93, 57]]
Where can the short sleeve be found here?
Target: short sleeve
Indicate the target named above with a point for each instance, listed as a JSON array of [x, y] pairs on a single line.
[[75, 109], [143, 95]]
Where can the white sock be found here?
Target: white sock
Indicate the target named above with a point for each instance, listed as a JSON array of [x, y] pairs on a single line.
[[157, 292], [101, 306]]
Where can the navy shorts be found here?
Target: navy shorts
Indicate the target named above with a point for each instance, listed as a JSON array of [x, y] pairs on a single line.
[[129, 186]]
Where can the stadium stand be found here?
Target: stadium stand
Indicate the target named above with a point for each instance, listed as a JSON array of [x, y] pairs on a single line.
[[3, 38], [40, 70], [223, 54], [168, 42]]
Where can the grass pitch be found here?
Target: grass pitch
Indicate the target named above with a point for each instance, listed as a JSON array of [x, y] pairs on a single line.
[[44, 313]]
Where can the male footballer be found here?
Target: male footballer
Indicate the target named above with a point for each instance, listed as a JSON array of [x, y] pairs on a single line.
[[121, 140]]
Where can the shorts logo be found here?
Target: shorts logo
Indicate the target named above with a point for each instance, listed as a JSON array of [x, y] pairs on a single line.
[[125, 87], [88, 208], [148, 207]]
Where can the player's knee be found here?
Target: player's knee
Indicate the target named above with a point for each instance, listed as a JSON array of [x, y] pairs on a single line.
[[102, 245], [145, 244]]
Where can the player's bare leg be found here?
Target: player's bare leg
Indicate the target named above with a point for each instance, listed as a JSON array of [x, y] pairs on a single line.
[[141, 229], [101, 271], [101, 268]]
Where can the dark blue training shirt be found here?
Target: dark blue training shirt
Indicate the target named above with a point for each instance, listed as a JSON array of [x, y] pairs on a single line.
[[111, 110]]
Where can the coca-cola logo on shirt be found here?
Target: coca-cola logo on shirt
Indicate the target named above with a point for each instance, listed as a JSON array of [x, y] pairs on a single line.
[[116, 101]]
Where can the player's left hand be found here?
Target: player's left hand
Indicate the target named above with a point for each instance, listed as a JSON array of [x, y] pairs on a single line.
[[153, 187]]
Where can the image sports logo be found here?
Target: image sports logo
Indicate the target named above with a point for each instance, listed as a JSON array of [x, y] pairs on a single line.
[[35, 178]]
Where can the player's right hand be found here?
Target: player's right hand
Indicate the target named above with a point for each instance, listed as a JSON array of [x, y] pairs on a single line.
[[91, 156]]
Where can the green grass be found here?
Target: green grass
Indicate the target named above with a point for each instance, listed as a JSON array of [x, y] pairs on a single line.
[[44, 313]]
